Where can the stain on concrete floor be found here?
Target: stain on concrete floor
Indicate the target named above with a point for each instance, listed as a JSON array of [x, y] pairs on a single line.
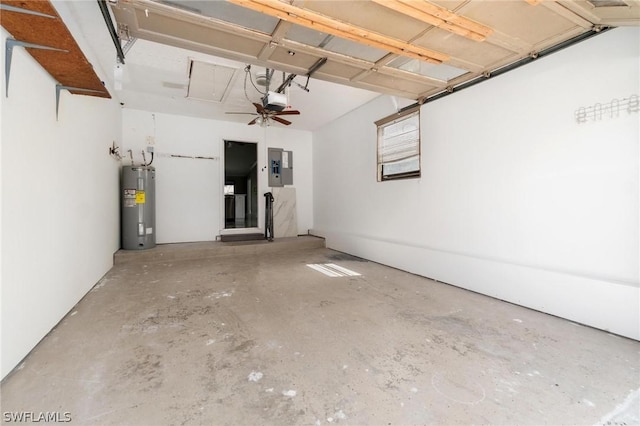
[[183, 342]]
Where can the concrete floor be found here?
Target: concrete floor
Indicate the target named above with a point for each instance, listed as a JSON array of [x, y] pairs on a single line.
[[259, 338]]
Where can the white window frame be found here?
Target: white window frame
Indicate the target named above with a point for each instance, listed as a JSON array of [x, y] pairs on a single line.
[[399, 151]]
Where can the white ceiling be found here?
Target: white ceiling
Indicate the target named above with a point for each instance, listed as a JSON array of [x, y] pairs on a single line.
[[155, 78]]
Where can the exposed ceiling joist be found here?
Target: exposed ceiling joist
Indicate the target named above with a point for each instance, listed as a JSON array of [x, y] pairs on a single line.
[[316, 21], [438, 17], [333, 56], [278, 35], [407, 48]]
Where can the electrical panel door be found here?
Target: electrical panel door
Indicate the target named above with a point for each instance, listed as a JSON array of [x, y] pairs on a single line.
[[280, 165]]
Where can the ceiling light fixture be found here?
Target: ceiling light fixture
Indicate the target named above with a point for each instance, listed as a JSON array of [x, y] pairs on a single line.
[[262, 79]]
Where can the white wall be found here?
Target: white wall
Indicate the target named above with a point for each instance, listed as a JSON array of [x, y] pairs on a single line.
[[516, 200], [60, 213], [189, 202]]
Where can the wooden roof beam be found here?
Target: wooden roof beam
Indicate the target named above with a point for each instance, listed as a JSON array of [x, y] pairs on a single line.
[[438, 17], [328, 25]]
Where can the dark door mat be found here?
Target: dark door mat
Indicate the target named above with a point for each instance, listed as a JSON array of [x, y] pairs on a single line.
[[241, 237]]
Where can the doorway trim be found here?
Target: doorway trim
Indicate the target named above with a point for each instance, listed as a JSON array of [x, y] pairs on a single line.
[[260, 208]]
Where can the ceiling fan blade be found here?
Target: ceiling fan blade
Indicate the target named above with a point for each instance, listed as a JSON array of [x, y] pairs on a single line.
[[244, 113], [253, 121], [288, 112], [281, 120], [259, 107]]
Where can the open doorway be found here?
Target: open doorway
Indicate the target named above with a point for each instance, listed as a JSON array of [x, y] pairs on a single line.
[[240, 184]]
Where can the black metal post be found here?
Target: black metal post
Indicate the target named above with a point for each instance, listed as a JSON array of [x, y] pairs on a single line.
[[268, 219]]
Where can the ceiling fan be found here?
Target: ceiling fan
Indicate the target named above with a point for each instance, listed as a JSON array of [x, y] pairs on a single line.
[[273, 103], [264, 115]]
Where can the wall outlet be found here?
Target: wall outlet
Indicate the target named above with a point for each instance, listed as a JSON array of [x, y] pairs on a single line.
[[151, 140]]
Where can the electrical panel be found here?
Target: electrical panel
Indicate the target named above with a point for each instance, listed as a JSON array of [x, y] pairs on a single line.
[[280, 165]]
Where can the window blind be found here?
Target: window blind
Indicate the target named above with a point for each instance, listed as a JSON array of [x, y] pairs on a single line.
[[399, 146]]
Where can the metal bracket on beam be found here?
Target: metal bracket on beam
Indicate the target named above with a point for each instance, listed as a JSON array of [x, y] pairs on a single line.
[[8, 54], [129, 44], [287, 82], [315, 67], [9, 8], [60, 87]]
